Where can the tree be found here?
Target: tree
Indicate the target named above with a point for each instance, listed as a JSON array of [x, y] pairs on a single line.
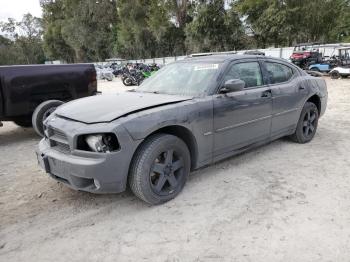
[[55, 46], [24, 41], [284, 22], [214, 28], [79, 30]]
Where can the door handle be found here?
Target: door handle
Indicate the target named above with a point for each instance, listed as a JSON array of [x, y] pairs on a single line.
[[266, 94], [301, 87]]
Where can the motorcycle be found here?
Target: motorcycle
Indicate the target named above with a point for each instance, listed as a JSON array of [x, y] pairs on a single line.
[[137, 75], [132, 77]]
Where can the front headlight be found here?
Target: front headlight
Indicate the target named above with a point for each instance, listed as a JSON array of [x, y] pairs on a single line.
[[101, 143]]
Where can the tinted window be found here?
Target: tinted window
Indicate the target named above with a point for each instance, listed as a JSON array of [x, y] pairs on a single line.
[[249, 72], [278, 73]]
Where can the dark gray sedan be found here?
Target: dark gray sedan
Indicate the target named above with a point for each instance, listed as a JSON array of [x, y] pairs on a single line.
[[190, 114]]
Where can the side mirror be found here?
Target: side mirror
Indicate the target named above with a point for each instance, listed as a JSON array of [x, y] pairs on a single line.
[[232, 85]]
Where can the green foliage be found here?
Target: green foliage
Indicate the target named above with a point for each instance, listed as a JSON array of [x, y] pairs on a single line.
[[23, 44], [93, 30], [145, 29], [214, 28], [285, 22], [79, 31]]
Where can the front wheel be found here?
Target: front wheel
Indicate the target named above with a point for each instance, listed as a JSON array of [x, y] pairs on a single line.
[[159, 169], [42, 112], [307, 124]]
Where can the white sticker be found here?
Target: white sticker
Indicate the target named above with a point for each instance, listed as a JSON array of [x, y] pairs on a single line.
[[206, 67]]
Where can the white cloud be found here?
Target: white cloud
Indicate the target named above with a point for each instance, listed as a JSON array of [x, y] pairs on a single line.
[[17, 8]]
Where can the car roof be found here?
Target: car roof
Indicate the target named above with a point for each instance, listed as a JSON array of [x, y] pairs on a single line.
[[223, 58]]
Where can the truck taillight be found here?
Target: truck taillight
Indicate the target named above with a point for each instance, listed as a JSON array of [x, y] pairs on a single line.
[[93, 77]]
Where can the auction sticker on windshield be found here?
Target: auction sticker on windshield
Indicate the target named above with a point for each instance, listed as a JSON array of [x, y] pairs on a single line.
[[206, 67]]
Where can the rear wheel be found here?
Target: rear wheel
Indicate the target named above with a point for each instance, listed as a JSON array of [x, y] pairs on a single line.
[[127, 81], [335, 75], [159, 169], [307, 124], [42, 112]]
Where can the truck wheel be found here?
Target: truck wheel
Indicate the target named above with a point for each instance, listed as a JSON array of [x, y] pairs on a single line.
[[25, 121], [159, 169], [335, 75], [42, 112], [307, 124]]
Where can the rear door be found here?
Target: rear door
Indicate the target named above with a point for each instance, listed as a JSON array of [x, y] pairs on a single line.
[[288, 93], [244, 117]]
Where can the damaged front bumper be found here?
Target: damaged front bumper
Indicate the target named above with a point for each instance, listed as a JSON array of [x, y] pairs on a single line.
[[85, 170]]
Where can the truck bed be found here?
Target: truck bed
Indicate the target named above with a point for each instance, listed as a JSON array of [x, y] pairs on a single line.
[[23, 88]]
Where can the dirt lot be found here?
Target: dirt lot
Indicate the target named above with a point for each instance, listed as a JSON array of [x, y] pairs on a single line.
[[281, 202]]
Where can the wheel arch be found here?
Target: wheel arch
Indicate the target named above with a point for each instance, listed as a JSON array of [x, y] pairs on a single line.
[[184, 134], [316, 100]]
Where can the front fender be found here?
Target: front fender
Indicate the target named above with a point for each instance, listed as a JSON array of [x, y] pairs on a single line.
[[141, 125], [194, 115]]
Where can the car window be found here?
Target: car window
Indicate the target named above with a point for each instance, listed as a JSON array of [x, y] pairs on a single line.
[[278, 73], [249, 72], [182, 78]]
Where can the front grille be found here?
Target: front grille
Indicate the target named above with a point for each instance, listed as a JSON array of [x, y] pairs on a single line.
[[58, 140], [64, 148]]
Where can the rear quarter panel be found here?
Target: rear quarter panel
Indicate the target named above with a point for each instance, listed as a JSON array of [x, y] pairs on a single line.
[[317, 86]]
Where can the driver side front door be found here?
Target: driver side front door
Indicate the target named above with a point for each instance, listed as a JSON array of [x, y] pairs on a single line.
[[242, 118]]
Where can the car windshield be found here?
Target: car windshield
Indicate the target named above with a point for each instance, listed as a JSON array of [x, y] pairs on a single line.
[[189, 78]]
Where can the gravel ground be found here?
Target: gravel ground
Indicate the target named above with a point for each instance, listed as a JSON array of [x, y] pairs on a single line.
[[280, 202]]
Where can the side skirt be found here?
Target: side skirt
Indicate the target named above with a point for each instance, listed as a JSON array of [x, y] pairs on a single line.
[[251, 146]]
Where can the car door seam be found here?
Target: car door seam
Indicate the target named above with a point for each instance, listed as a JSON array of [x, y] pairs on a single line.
[[285, 112]]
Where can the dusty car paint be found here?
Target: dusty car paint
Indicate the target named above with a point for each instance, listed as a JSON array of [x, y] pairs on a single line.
[[214, 125]]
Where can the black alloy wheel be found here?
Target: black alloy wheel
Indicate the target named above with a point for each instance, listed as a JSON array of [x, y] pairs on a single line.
[[307, 124], [159, 168], [166, 172]]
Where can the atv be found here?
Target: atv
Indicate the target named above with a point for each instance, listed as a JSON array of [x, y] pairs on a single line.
[[306, 54]]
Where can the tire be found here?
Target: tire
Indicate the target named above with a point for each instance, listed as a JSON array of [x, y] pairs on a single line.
[[335, 75], [315, 69], [127, 81], [307, 124], [41, 113], [156, 178], [25, 121]]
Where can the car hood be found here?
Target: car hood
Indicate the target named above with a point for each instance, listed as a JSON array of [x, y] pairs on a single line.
[[106, 108]]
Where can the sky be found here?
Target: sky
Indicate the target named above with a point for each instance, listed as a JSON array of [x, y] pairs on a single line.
[[17, 8]]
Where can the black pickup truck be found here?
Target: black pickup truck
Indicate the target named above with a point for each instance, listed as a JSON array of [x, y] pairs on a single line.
[[28, 94]]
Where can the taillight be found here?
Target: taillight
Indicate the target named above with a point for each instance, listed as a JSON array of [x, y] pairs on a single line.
[[93, 77]]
